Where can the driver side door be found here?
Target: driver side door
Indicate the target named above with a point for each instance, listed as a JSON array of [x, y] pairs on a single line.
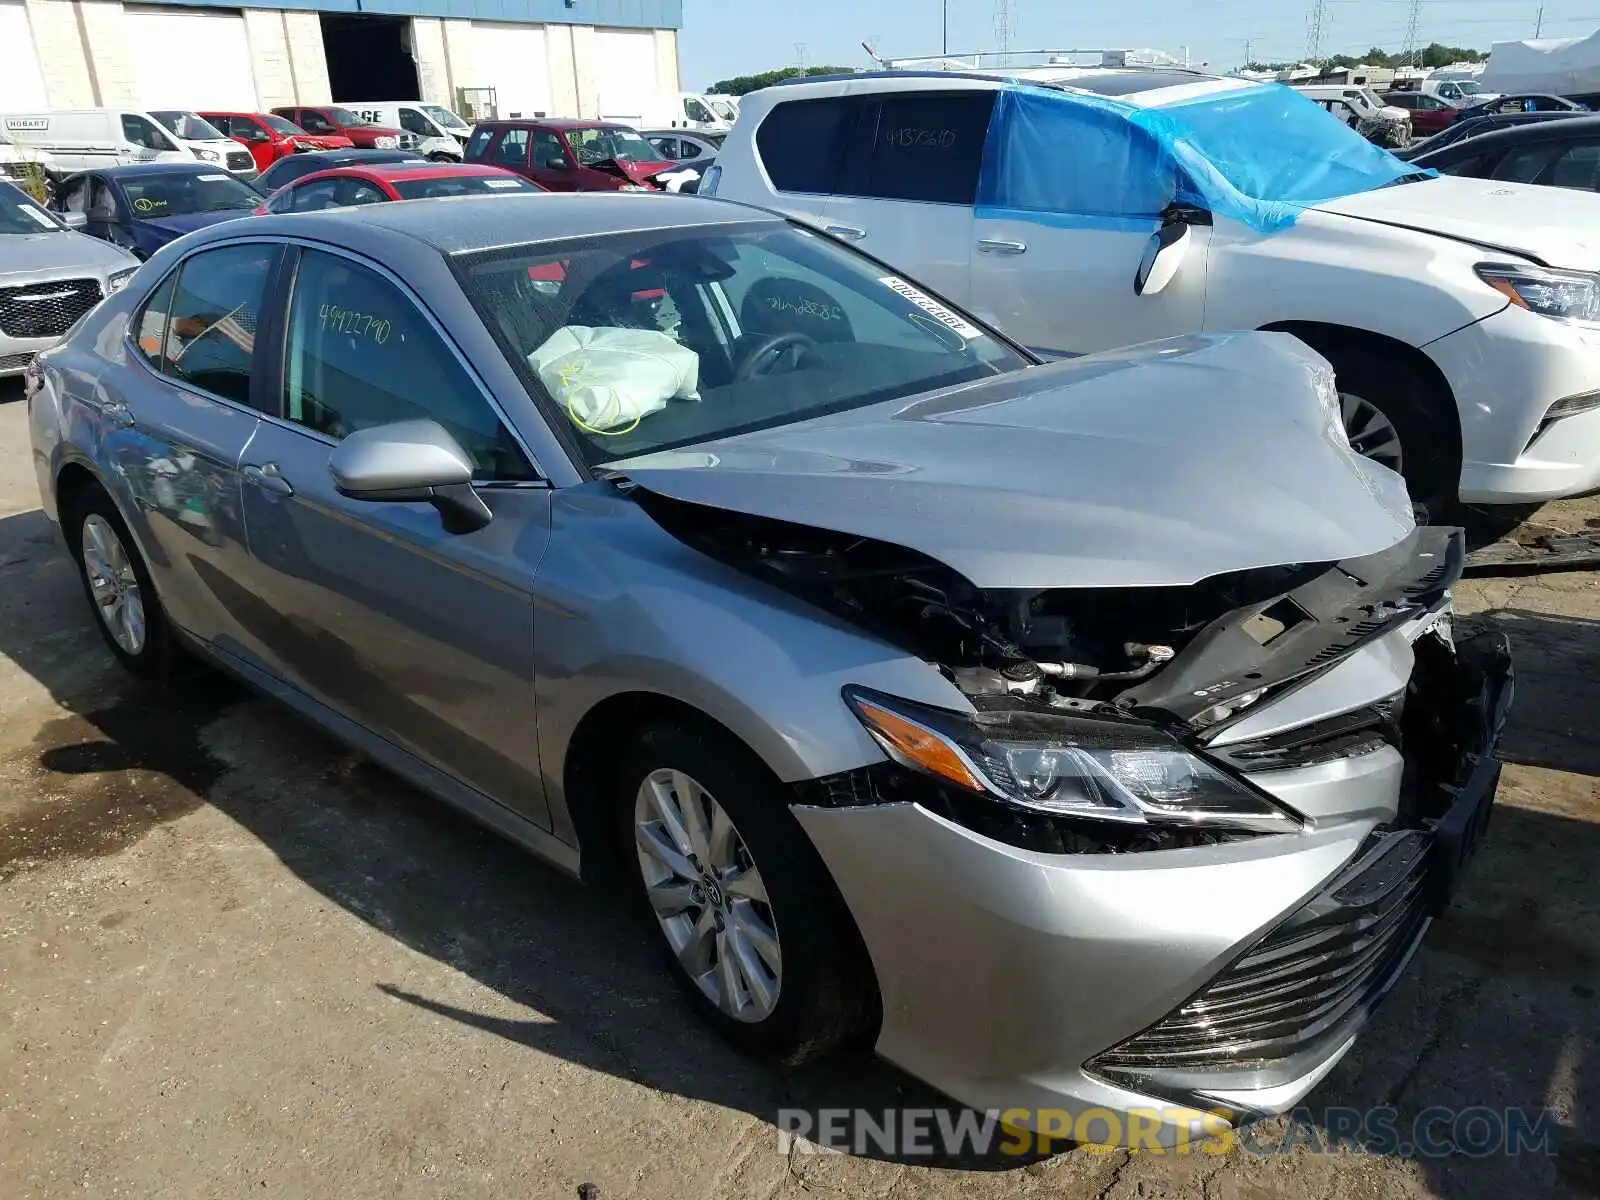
[[371, 610]]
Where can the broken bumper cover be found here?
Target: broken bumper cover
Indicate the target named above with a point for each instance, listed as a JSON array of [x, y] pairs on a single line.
[[1227, 978]]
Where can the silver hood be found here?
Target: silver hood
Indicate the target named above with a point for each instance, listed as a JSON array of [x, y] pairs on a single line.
[[1159, 465], [28, 256]]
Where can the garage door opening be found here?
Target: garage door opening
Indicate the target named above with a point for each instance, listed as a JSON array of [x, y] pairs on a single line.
[[369, 58]]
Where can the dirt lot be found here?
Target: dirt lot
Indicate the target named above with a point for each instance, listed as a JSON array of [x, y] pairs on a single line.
[[235, 962]]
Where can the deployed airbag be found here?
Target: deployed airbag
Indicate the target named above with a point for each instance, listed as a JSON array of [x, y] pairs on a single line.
[[610, 379]]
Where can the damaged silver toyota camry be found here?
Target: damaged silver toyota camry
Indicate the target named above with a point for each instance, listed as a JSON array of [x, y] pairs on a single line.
[[1085, 735]]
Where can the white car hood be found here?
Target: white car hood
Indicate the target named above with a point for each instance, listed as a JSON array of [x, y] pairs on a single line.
[[1559, 227]]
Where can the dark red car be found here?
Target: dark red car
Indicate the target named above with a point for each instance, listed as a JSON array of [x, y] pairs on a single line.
[[569, 156], [344, 187], [331, 119], [1429, 114], [269, 137]]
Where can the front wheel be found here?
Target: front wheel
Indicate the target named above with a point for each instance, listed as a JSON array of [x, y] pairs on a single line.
[[752, 925]]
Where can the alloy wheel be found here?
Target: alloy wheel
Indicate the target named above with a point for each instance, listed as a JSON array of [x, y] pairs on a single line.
[[117, 598], [1371, 433], [708, 895]]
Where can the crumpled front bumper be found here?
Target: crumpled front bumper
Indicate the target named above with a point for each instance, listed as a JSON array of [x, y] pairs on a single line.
[[1014, 979]]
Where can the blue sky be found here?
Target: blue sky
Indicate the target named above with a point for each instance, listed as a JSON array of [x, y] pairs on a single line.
[[735, 37]]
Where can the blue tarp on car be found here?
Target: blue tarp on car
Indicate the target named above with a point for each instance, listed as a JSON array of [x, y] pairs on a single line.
[[1258, 154]]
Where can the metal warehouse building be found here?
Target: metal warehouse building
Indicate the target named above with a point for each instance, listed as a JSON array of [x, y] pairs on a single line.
[[583, 58]]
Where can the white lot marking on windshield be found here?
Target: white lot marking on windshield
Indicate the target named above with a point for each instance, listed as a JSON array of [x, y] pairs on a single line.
[[38, 216], [502, 183], [931, 306], [215, 178]]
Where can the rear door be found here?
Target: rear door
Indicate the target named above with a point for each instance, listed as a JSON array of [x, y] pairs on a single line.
[[909, 181], [421, 636]]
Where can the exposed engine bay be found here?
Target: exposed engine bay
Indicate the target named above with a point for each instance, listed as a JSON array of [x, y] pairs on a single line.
[[1194, 655]]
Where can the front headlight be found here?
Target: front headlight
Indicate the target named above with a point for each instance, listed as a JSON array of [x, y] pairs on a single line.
[[117, 280], [384, 143], [208, 155], [1097, 768], [1564, 295]]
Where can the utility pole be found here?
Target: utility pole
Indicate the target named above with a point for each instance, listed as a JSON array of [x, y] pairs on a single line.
[[1249, 51], [1538, 23], [1002, 30], [1413, 23], [1315, 20], [800, 56], [945, 43]]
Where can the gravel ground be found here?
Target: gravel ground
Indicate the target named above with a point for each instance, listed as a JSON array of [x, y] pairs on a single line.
[[234, 960]]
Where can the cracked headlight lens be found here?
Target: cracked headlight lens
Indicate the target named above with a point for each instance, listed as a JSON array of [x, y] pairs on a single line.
[[1564, 295], [1099, 768]]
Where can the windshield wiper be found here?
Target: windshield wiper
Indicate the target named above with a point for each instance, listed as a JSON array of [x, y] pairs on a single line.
[[1411, 177]]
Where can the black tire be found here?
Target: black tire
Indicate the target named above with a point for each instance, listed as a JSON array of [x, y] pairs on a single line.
[[440, 156], [1430, 444], [827, 997], [154, 658]]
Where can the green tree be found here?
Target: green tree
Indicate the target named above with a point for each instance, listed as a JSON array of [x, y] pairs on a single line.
[[739, 85]]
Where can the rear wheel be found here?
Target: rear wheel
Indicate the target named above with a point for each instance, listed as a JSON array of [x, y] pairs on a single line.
[[118, 586], [752, 925]]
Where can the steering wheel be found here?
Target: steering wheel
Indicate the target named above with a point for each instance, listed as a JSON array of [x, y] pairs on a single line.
[[764, 356]]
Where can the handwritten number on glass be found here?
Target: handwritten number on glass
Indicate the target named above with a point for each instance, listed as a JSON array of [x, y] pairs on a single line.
[[358, 324]]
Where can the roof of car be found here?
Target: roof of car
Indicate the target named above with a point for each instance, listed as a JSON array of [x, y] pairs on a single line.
[[1576, 128], [557, 122], [466, 223], [399, 172], [134, 170]]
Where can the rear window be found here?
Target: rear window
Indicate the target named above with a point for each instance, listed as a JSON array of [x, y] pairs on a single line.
[[801, 142], [460, 185]]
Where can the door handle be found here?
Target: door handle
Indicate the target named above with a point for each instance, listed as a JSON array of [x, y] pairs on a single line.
[[1001, 246], [268, 479], [115, 412], [845, 231]]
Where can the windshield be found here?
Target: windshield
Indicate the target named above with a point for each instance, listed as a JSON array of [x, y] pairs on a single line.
[[1371, 97], [343, 116], [649, 341], [173, 194], [460, 185], [190, 126], [444, 118], [279, 126], [723, 109], [18, 214], [602, 142], [1468, 87]]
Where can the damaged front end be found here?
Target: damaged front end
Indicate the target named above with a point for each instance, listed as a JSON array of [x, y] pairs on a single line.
[[1113, 720]]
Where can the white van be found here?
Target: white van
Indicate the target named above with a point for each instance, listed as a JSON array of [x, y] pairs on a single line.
[[1458, 86], [81, 139], [695, 112], [441, 135], [206, 142]]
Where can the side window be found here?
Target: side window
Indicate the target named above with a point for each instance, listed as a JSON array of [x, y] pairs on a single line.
[[546, 149], [75, 195], [102, 204], [140, 132], [513, 148], [1467, 167], [212, 334], [358, 191], [478, 143], [414, 122], [801, 143], [314, 122], [152, 322], [688, 150], [697, 111], [665, 146], [928, 146], [1525, 163], [1575, 168], [248, 130], [361, 354], [313, 196]]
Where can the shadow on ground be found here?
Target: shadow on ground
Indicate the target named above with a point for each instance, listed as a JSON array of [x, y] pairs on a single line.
[[1500, 1010]]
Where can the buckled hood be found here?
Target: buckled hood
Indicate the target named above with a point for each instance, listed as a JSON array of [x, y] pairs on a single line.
[[1158, 465]]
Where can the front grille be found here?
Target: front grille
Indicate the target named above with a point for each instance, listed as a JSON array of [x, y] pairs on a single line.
[[1307, 983], [41, 310], [10, 362], [408, 141], [240, 160]]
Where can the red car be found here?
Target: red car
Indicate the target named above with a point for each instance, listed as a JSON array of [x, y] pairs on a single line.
[[333, 120], [344, 187], [269, 137], [569, 156], [1429, 114]]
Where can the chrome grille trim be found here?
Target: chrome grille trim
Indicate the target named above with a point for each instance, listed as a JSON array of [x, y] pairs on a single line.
[[46, 309]]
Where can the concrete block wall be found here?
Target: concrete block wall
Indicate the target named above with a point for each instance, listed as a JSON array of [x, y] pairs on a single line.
[[110, 59], [433, 63], [456, 38], [303, 33], [560, 50], [667, 61], [63, 62], [269, 58]]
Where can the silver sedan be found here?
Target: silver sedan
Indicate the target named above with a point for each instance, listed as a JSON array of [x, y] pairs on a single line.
[[1085, 735]]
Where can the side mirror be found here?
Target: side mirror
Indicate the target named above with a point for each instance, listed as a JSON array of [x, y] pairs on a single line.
[[74, 220], [558, 163], [1162, 258], [410, 460]]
